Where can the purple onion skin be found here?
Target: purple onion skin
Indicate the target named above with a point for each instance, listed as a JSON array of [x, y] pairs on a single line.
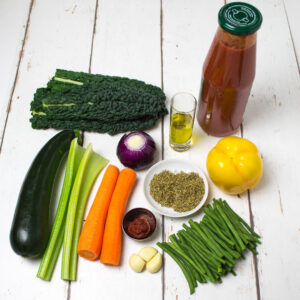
[[140, 158]]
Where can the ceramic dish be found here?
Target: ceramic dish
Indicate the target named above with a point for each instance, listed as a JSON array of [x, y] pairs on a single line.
[[136, 213], [175, 166]]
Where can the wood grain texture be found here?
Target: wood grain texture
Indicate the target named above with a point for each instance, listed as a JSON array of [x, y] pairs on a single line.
[[13, 21], [126, 43], [292, 11], [272, 123], [185, 48], [59, 35]]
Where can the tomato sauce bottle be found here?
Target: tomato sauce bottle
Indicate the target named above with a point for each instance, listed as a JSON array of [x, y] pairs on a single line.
[[229, 70]]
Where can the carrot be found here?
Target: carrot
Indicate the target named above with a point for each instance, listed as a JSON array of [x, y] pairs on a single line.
[[112, 240], [91, 236]]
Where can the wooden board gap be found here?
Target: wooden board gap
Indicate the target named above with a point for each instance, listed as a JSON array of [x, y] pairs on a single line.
[[93, 36], [253, 255], [17, 71], [292, 39]]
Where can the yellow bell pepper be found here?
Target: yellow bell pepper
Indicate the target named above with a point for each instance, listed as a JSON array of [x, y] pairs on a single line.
[[234, 165]]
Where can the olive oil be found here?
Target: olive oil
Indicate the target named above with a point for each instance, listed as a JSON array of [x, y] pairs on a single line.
[[182, 114], [181, 128]]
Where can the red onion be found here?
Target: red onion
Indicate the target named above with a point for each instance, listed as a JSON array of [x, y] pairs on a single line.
[[136, 150]]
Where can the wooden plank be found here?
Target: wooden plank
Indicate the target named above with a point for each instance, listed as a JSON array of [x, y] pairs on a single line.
[[127, 43], [13, 19], [272, 123], [59, 35], [292, 11], [185, 47]]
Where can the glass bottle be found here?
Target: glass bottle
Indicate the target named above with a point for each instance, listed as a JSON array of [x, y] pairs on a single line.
[[229, 70]]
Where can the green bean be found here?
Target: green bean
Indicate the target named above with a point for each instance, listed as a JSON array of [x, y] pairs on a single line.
[[232, 272], [214, 227], [211, 268], [192, 272], [237, 240], [212, 213], [207, 250], [206, 272], [243, 232], [242, 220], [202, 249], [233, 219], [178, 249], [211, 244], [235, 234], [214, 265], [183, 245], [209, 237], [165, 247], [199, 241], [231, 227], [233, 253], [202, 279]]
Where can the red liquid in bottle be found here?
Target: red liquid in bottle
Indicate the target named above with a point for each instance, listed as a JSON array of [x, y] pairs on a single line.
[[228, 74]]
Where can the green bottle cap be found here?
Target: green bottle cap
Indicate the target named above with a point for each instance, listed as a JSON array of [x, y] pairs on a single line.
[[240, 18]]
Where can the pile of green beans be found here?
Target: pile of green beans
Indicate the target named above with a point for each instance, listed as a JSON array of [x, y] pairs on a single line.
[[208, 250]]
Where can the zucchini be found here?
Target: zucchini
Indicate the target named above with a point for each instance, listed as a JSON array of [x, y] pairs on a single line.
[[30, 228]]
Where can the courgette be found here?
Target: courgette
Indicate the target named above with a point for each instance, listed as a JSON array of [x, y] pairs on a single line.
[[30, 228]]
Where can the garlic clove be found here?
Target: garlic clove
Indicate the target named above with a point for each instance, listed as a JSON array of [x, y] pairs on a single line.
[[147, 253], [136, 263], [154, 264]]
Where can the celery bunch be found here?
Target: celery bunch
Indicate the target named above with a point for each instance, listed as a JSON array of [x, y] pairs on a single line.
[[83, 165]]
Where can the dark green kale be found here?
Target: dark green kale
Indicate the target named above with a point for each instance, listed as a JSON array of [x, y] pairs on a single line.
[[96, 102]]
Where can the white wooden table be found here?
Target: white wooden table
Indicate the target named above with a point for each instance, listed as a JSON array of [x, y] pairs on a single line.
[[162, 42]]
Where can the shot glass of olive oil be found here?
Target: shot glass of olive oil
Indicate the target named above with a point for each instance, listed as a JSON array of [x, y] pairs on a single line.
[[182, 115]]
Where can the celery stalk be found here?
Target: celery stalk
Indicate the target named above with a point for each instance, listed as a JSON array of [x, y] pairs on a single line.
[[55, 241], [90, 166]]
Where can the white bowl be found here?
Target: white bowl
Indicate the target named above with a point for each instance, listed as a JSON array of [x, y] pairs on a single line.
[[175, 166]]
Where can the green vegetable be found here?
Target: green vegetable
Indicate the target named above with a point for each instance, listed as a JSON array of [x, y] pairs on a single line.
[[166, 247], [230, 226], [97, 103], [30, 227], [40, 122], [208, 250], [90, 166], [106, 111], [56, 238]]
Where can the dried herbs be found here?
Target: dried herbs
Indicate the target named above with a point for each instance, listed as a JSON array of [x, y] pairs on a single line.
[[181, 191]]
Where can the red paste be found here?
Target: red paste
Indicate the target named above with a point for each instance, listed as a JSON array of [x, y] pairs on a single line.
[[228, 74], [139, 227]]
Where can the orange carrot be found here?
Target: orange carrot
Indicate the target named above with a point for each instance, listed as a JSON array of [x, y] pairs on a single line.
[[112, 240], [91, 236]]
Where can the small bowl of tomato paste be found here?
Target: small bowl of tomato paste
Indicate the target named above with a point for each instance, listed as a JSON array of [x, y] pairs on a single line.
[[139, 223]]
